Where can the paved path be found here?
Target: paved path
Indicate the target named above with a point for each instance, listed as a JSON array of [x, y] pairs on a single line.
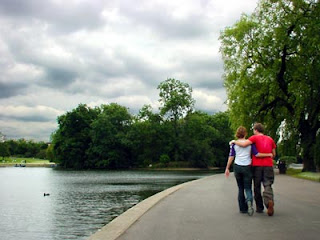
[[207, 209]]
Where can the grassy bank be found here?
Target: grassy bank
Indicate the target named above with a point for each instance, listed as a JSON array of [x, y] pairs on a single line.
[[304, 175], [29, 162]]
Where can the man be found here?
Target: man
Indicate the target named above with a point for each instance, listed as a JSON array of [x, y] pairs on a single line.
[[262, 168]]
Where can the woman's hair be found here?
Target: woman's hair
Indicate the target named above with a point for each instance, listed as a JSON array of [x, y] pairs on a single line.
[[241, 132]]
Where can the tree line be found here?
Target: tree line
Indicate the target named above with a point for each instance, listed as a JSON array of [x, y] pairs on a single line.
[[24, 148], [110, 137]]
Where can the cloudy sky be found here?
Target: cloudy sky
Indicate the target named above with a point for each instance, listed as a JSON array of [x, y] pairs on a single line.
[[55, 54]]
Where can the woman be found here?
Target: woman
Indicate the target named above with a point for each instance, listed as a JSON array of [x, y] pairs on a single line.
[[242, 170]]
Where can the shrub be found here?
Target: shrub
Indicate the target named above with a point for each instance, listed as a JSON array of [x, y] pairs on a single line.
[[288, 159], [164, 159], [179, 164]]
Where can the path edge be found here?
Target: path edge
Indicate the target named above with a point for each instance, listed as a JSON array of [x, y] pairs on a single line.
[[120, 224]]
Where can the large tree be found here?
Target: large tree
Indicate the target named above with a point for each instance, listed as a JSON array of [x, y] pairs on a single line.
[[109, 147], [272, 71], [176, 102], [72, 139]]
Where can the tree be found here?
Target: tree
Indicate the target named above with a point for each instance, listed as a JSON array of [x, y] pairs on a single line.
[[148, 137], [175, 98], [26, 148], [109, 146], [176, 102], [220, 142], [196, 140], [4, 150], [49, 153], [205, 139], [272, 69], [13, 146], [72, 138]]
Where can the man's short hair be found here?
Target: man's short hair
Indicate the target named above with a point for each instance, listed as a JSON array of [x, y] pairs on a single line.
[[241, 132], [258, 127]]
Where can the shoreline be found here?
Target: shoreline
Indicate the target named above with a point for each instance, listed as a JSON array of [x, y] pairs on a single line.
[[28, 165], [178, 169], [135, 169]]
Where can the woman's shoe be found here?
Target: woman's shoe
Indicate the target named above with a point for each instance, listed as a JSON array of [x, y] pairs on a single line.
[[250, 208]]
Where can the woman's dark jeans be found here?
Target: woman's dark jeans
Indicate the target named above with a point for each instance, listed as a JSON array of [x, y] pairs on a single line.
[[243, 176]]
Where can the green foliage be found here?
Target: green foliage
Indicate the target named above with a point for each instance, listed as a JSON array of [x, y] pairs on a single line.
[[149, 139], [109, 137], [205, 139], [303, 175], [4, 150], [176, 102], [317, 152], [72, 139], [175, 98], [179, 164], [272, 68], [164, 160], [42, 154], [50, 153], [289, 146], [26, 148], [109, 147], [288, 159]]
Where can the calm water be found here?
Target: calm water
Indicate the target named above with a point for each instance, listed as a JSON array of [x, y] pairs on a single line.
[[80, 202]]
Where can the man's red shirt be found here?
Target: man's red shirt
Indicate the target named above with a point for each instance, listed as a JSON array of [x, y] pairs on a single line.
[[264, 144]]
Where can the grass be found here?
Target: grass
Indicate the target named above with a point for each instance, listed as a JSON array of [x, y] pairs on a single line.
[[23, 159], [313, 176]]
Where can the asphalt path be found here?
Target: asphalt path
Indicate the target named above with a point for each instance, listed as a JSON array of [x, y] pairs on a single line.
[[207, 209]]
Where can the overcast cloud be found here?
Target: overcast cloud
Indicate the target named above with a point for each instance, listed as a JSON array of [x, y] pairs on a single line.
[[56, 54]]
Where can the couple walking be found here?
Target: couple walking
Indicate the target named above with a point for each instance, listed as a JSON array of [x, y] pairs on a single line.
[[259, 168]]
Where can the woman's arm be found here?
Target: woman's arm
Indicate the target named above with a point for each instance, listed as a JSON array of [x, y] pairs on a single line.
[[227, 171]]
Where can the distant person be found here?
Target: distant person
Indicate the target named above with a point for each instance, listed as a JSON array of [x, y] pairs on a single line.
[[262, 168], [242, 170]]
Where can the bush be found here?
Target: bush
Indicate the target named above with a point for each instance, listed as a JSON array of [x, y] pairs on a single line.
[[288, 159], [164, 159], [146, 163], [179, 164], [42, 154]]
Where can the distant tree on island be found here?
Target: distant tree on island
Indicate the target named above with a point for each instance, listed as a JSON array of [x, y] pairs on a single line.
[[4, 150], [110, 137], [26, 148], [72, 139], [109, 147], [176, 102]]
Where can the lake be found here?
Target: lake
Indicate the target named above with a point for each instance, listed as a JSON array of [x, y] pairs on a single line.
[[80, 202]]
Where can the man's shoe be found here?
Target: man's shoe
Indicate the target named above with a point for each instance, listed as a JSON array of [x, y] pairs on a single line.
[[250, 208], [270, 208], [259, 210]]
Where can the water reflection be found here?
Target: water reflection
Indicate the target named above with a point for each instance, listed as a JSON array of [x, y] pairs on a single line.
[[80, 202]]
